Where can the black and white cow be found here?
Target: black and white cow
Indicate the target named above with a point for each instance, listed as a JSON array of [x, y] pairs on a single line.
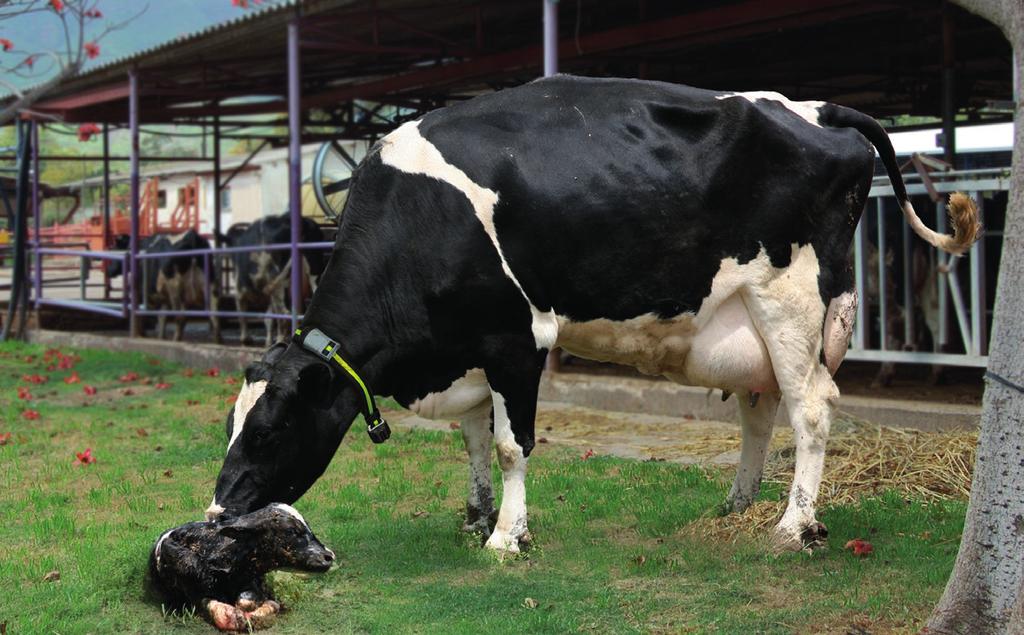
[[263, 278], [688, 233], [173, 282]]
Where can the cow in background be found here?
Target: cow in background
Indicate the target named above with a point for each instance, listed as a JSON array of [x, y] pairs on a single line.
[[174, 282], [263, 278]]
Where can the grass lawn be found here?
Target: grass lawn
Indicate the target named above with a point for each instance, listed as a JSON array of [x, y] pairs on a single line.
[[614, 550]]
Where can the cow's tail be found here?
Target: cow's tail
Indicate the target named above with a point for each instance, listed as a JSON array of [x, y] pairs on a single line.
[[963, 213]]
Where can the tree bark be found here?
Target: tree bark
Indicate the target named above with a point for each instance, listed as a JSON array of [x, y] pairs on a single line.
[[985, 593]]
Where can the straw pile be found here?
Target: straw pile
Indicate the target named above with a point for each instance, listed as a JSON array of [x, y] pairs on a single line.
[[861, 460]]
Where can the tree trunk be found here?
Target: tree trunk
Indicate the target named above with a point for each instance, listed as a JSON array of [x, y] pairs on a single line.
[[985, 593]]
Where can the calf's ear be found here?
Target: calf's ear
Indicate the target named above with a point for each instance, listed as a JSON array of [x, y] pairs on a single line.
[[317, 386]]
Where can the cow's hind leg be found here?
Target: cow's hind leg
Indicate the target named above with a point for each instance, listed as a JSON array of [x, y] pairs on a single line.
[[757, 421], [478, 436], [789, 314], [514, 383]]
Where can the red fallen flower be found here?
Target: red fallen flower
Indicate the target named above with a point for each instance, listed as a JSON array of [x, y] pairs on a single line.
[[84, 458], [30, 415], [58, 5], [92, 50], [35, 379], [73, 378], [230, 400], [51, 368], [231, 381], [87, 130], [5, 438], [51, 354], [7, 44], [188, 372], [28, 359], [162, 386], [213, 372], [860, 547], [192, 402], [67, 362], [23, 393], [587, 454], [89, 390], [127, 377]]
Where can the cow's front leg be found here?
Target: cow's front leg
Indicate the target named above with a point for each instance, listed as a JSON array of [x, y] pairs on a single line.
[[514, 395], [757, 416], [476, 432]]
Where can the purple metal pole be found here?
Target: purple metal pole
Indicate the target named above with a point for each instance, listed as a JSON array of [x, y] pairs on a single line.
[[106, 206], [216, 181], [294, 163], [133, 241], [550, 37], [37, 258], [553, 362]]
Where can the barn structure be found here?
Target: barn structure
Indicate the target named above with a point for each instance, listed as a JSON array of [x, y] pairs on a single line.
[[308, 71]]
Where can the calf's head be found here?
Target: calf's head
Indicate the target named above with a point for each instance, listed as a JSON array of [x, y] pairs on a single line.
[[285, 426]]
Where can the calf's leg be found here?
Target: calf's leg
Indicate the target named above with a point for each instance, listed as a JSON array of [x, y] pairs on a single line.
[[476, 432]]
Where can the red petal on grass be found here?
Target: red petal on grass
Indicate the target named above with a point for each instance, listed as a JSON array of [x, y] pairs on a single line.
[[28, 359], [89, 390], [860, 547], [213, 372], [231, 381], [587, 455], [84, 458], [73, 378], [127, 377], [230, 400], [188, 372], [30, 415], [23, 393], [162, 386], [5, 438], [35, 379]]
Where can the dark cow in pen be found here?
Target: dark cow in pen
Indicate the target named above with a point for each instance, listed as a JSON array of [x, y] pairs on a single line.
[[263, 278], [694, 234], [174, 282]]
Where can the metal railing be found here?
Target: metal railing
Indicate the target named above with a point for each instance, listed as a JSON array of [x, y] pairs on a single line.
[[970, 307]]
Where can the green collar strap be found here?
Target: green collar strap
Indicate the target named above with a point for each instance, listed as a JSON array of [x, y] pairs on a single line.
[[315, 341]]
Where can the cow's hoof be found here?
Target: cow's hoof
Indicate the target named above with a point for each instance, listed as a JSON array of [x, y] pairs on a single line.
[[226, 617], [813, 536], [506, 544], [477, 522], [264, 616]]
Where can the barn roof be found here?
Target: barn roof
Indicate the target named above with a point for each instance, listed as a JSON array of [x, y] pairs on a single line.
[[883, 57]]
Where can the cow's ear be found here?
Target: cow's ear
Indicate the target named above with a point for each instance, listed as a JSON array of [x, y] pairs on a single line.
[[316, 385], [274, 353]]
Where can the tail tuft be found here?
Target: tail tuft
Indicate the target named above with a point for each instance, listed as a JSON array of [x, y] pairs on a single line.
[[963, 216]]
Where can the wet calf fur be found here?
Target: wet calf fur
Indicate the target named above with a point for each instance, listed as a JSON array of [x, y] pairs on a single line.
[[224, 559]]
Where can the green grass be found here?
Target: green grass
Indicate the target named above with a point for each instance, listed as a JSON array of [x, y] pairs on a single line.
[[613, 552]]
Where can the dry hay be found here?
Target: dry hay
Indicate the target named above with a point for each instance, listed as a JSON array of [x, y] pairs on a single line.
[[864, 459]]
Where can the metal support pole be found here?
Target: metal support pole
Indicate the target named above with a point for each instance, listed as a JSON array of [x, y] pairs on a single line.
[[942, 260], [883, 295], [106, 208], [37, 258], [860, 248], [553, 362], [948, 86], [134, 324], [979, 304], [550, 37], [909, 328], [216, 181], [294, 164]]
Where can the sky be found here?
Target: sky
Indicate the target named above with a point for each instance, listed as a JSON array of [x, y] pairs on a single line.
[[160, 20]]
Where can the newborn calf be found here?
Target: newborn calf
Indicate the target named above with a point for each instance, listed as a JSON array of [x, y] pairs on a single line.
[[219, 566]]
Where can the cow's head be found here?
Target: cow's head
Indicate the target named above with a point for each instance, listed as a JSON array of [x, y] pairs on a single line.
[[282, 431]]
